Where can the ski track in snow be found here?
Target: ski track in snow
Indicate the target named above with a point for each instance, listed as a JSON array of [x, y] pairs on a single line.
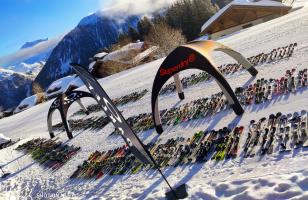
[[278, 176]]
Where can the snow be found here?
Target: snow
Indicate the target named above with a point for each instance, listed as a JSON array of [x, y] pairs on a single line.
[[26, 104], [25, 68], [261, 3], [7, 74], [137, 45], [139, 57], [277, 176], [4, 73], [4, 139], [62, 85], [91, 65], [100, 55], [123, 52]]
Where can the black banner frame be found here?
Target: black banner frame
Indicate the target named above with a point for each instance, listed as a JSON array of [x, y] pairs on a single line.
[[196, 55], [62, 103], [115, 116], [132, 140]]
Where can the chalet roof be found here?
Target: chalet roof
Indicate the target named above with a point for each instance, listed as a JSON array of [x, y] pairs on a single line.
[[242, 11]]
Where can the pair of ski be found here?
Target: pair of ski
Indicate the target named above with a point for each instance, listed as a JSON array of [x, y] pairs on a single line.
[[253, 137], [4, 174], [8, 144], [229, 147], [264, 134], [269, 134], [294, 133], [186, 153]]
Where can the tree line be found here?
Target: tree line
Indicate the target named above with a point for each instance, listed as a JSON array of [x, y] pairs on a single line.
[[172, 27]]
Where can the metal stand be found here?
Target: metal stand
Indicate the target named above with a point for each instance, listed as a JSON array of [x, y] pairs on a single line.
[[175, 193]]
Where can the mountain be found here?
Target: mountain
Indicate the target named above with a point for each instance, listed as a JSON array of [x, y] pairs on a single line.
[[33, 43], [20, 69], [30, 69], [14, 87], [92, 34], [45, 60], [16, 82]]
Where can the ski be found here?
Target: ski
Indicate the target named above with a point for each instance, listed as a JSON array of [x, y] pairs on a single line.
[[233, 151], [304, 128], [270, 143], [288, 141]]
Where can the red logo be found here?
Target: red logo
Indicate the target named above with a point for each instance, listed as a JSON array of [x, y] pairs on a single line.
[[182, 65]]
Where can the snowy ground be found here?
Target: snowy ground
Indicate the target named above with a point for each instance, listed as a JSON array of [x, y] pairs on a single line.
[[279, 176]]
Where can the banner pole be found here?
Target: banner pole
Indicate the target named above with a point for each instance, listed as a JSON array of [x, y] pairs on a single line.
[[161, 173], [159, 170]]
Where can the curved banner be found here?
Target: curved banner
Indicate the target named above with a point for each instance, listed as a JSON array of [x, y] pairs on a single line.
[[195, 55], [131, 139], [62, 103]]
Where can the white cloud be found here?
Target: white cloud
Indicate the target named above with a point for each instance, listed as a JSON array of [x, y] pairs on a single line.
[[24, 54], [135, 7]]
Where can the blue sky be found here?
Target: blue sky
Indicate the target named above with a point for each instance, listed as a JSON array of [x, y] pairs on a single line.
[[28, 20]]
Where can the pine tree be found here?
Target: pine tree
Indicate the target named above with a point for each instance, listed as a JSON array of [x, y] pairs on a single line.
[[144, 26], [133, 34], [189, 16]]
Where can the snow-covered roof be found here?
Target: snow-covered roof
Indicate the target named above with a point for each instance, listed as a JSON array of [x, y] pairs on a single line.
[[26, 104], [260, 3], [116, 55], [62, 85], [91, 65], [144, 54], [137, 45], [100, 55], [4, 139], [123, 52], [122, 55]]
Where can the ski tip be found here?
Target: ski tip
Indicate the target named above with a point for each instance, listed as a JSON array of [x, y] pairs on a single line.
[[303, 112], [5, 175]]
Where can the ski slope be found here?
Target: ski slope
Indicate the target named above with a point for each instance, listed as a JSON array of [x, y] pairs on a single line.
[[276, 176]]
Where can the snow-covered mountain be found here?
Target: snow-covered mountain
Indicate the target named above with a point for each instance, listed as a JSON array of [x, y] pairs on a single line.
[[16, 82], [25, 68], [14, 87], [92, 34], [20, 69]]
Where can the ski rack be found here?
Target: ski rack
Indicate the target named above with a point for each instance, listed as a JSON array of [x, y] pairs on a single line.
[[196, 55]]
